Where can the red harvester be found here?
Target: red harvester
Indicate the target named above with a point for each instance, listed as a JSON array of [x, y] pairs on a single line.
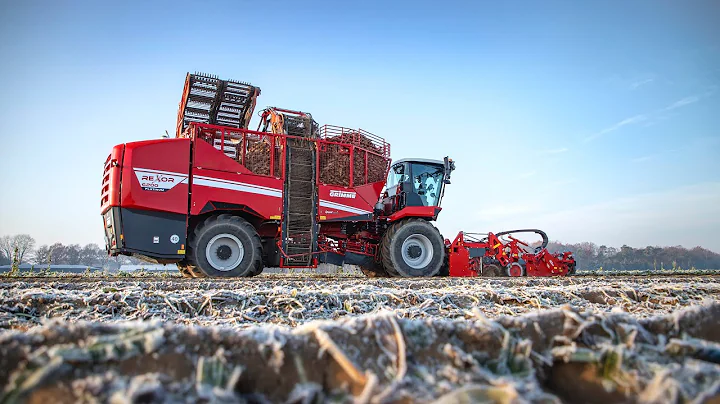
[[222, 200]]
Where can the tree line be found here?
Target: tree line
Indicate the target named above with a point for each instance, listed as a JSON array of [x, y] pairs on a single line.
[[20, 249], [590, 256]]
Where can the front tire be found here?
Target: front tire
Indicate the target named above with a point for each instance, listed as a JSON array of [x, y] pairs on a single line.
[[411, 248], [225, 246]]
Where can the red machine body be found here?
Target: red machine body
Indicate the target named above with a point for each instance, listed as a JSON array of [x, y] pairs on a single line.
[[223, 200], [156, 177]]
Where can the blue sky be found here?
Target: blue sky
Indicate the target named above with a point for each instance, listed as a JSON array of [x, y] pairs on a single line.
[[595, 121]]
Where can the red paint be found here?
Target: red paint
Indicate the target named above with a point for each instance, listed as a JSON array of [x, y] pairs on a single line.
[[429, 212], [110, 191], [167, 155], [542, 263]]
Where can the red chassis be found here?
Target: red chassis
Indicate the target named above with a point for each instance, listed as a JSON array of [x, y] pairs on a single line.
[[467, 254]]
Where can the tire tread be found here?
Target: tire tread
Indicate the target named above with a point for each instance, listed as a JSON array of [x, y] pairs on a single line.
[[389, 235]]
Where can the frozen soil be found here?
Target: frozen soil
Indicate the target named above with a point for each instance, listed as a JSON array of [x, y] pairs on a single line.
[[279, 338]]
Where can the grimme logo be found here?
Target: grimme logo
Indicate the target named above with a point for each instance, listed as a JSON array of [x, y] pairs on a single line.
[[342, 194], [158, 182]]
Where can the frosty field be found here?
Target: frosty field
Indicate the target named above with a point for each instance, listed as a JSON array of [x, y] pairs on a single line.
[[281, 338]]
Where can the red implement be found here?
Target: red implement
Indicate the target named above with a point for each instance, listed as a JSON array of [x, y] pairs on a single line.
[[468, 255]]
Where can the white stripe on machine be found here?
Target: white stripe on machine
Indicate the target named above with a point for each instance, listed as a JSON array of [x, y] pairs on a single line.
[[260, 190], [333, 205], [236, 186]]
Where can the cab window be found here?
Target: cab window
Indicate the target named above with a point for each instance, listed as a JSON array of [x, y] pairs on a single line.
[[397, 175], [427, 182]]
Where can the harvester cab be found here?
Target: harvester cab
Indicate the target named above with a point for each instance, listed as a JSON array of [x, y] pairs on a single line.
[[417, 182]]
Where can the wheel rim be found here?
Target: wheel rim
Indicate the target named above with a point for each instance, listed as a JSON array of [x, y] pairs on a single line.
[[417, 251], [224, 252], [514, 269]]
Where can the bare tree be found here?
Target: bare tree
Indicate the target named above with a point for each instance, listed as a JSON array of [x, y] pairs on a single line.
[[92, 255], [42, 254], [17, 247], [3, 259], [25, 245], [6, 247]]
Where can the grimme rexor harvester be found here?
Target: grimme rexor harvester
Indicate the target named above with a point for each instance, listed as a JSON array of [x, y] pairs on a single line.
[[220, 199]]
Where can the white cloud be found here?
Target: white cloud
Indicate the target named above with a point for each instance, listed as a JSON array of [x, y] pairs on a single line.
[[681, 103], [650, 119], [628, 121], [641, 83]]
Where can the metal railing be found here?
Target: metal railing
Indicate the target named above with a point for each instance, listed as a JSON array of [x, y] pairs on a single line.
[[345, 157]]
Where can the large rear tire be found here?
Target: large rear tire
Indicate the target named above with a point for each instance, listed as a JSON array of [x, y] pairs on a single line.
[[225, 246], [411, 248]]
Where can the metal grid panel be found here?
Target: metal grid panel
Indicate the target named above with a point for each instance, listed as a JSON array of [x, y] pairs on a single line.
[[207, 99]]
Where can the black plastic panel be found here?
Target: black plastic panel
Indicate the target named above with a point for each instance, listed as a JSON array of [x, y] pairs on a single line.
[[155, 234]]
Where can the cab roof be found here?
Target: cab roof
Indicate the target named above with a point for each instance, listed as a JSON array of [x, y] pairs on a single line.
[[429, 161]]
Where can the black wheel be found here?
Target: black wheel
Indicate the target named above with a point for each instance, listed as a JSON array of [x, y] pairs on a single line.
[[492, 270], [445, 267], [413, 247], [571, 270], [225, 246]]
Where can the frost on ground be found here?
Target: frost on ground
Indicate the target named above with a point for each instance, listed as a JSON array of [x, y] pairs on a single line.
[[295, 300], [534, 340]]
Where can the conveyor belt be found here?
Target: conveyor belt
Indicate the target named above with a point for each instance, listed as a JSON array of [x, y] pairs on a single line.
[[299, 228]]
